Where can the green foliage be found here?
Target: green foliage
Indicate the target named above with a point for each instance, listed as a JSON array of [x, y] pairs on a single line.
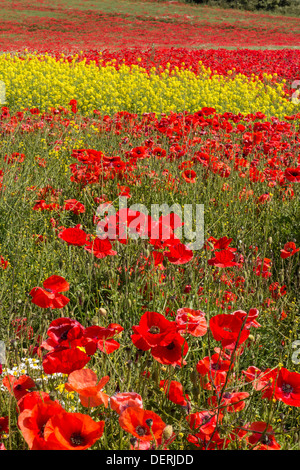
[[251, 5]]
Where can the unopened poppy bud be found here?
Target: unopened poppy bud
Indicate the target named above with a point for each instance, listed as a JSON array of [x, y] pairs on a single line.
[[133, 441], [52, 395], [270, 240], [251, 338], [149, 422], [102, 312], [167, 432], [195, 391], [194, 377], [95, 321], [129, 303], [155, 375]]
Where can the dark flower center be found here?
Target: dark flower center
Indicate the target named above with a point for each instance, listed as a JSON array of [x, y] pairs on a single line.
[[77, 439], [154, 330], [64, 335], [266, 440], [205, 420], [227, 395], [215, 366], [141, 431], [41, 432], [171, 346], [287, 388]]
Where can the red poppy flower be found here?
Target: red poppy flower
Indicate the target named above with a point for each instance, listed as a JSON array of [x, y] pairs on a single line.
[[73, 236], [262, 436], [174, 392], [139, 153], [262, 267], [138, 422], [103, 337], [155, 329], [121, 401], [163, 228], [213, 365], [32, 422], [18, 386], [203, 442], [85, 383], [158, 152], [173, 353], [29, 400], [72, 431], [15, 157], [223, 259], [49, 297], [222, 243], [251, 317], [4, 425], [64, 360], [292, 174], [178, 253], [191, 321], [3, 262], [189, 176], [263, 381], [73, 104], [228, 329], [287, 388], [42, 206], [100, 248], [276, 290], [61, 332], [74, 206], [204, 422], [232, 401], [289, 249]]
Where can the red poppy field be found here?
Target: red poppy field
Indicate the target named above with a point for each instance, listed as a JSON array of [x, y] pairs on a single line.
[[149, 229]]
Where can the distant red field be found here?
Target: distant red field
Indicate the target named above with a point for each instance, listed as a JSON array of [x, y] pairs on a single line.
[[70, 26]]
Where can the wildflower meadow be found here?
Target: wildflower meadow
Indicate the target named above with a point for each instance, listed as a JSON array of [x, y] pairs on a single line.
[[149, 228]]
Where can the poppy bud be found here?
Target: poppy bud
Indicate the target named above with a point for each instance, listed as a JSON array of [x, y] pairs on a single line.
[[95, 321], [251, 338], [167, 432], [194, 377], [102, 312], [155, 376], [149, 422], [195, 392]]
